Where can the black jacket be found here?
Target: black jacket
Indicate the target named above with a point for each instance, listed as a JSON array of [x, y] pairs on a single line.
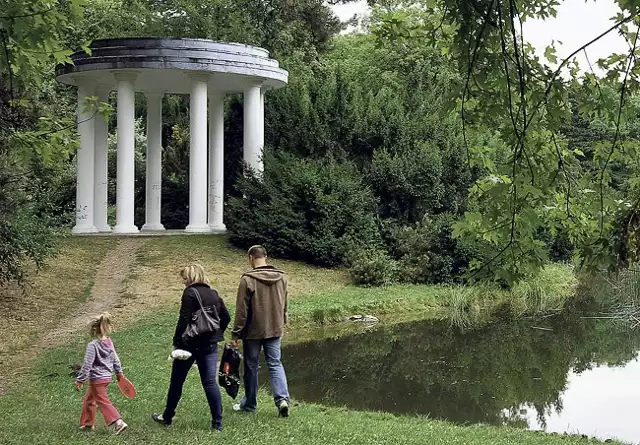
[[190, 305]]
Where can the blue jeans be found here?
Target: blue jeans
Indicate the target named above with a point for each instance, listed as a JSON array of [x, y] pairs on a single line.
[[207, 366], [251, 351]]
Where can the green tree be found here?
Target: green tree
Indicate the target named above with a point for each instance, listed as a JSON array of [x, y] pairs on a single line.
[[302, 209], [280, 26], [528, 182], [32, 137], [381, 109]]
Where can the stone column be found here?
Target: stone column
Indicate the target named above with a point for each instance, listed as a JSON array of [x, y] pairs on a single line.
[[261, 121], [154, 162], [216, 161], [125, 185], [101, 181], [85, 160], [252, 144], [198, 156]]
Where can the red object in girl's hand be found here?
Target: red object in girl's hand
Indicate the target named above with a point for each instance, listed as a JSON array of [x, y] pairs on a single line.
[[126, 387]]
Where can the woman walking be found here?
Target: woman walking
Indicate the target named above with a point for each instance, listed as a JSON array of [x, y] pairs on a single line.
[[198, 295]]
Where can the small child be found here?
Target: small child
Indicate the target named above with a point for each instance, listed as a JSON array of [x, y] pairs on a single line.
[[100, 361]]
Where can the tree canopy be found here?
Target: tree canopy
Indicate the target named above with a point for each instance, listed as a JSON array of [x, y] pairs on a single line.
[[533, 179], [480, 158]]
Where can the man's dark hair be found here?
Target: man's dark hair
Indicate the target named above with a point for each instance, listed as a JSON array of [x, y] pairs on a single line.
[[258, 252]]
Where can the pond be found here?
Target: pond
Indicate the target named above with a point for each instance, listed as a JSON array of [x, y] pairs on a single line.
[[560, 374]]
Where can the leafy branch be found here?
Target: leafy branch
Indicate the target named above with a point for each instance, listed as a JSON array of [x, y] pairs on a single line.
[[24, 16], [623, 91]]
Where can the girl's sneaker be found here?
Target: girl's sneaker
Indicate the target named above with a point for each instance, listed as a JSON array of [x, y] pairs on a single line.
[[120, 426], [87, 427]]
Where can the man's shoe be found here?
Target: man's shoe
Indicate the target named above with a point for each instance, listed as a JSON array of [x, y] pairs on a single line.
[[159, 419], [283, 409]]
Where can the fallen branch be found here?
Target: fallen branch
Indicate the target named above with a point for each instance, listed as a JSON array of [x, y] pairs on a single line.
[[540, 328]]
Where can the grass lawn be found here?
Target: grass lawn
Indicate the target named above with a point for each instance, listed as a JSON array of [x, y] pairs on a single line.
[[325, 296], [45, 409], [154, 281]]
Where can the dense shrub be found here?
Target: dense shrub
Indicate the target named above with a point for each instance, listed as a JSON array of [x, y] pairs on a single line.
[[559, 245], [427, 252], [175, 179], [56, 181], [372, 266], [384, 120], [175, 201], [303, 209], [24, 236], [409, 184], [25, 239]]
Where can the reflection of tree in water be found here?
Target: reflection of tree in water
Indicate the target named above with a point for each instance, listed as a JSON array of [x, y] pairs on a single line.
[[483, 376], [544, 411], [514, 417]]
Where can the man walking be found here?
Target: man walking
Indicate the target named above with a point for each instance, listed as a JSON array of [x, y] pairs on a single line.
[[261, 313]]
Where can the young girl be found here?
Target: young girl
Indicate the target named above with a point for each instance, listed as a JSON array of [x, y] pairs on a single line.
[[100, 361]]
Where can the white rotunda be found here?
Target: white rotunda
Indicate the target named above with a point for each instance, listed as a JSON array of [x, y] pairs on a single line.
[[204, 69]]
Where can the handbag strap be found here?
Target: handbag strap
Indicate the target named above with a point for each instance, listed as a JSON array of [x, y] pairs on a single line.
[[199, 298], [204, 312]]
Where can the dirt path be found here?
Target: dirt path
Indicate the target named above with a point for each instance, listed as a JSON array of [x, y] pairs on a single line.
[[106, 294]]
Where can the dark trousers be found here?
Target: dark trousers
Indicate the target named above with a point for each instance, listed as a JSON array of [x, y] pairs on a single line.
[[207, 366]]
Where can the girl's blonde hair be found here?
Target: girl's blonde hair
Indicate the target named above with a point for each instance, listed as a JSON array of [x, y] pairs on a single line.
[[194, 274], [100, 326]]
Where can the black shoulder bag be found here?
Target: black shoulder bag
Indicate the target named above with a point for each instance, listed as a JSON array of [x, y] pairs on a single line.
[[201, 323]]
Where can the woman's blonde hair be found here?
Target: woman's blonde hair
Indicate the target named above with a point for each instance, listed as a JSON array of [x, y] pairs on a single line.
[[100, 326], [194, 274]]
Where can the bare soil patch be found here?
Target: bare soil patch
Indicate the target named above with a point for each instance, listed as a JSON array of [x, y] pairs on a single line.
[[105, 293]]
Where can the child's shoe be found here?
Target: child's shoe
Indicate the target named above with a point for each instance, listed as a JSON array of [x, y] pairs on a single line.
[[87, 427], [120, 426]]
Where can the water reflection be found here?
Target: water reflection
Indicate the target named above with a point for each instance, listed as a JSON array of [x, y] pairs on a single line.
[[601, 403], [571, 378]]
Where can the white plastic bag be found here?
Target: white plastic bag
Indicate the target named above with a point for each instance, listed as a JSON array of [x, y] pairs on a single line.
[[179, 354]]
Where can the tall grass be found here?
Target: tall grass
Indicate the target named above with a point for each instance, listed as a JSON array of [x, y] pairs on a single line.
[[460, 306], [616, 295], [548, 292]]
